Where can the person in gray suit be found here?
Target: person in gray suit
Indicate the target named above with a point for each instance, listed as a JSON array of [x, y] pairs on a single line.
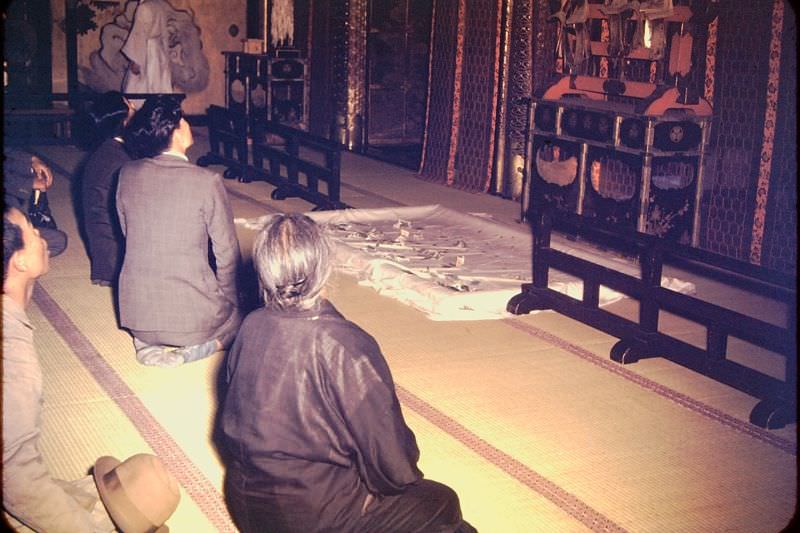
[[177, 286]]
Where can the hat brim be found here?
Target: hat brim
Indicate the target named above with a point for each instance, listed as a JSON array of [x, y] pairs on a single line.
[[103, 466]]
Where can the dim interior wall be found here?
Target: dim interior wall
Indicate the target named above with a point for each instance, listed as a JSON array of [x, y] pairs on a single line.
[[745, 82], [519, 82], [59, 40], [459, 140], [479, 86], [780, 232], [214, 17], [438, 127], [338, 37], [740, 80], [321, 100]]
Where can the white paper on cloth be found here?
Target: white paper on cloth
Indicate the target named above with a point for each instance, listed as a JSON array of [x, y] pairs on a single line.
[[451, 265]]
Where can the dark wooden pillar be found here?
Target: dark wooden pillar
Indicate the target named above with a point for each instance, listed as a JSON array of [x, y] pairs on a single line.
[[70, 27]]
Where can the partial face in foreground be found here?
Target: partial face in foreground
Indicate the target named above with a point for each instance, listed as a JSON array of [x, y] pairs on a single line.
[[33, 258]]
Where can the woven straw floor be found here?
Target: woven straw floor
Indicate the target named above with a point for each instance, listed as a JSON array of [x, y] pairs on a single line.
[[526, 418]]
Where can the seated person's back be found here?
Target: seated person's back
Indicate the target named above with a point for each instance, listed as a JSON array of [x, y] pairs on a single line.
[[313, 430], [176, 306]]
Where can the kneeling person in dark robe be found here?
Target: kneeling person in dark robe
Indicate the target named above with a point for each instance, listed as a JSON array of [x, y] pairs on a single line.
[[313, 431]]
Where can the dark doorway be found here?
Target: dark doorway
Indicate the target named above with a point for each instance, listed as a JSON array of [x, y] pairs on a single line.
[[398, 44], [27, 54]]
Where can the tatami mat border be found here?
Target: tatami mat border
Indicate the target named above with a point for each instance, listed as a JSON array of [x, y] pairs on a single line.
[[683, 400], [197, 486], [522, 473], [208, 498], [693, 405]]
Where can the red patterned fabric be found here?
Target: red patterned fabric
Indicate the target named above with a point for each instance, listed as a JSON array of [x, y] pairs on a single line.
[[461, 120], [437, 130], [765, 161]]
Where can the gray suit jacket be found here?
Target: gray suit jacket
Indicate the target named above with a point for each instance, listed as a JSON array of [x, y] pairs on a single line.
[[169, 209]]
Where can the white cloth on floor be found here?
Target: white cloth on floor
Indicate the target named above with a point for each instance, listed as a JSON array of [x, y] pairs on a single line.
[[451, 265]]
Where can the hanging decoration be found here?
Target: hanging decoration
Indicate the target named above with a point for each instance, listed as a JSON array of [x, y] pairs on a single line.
[[282, 23], [188, 63]]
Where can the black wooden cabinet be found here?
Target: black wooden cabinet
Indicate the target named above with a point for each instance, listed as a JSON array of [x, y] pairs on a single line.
[[628, 169], [268, 87]]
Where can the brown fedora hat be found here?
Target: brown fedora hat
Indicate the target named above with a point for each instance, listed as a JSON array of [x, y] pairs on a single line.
[[139, 493]]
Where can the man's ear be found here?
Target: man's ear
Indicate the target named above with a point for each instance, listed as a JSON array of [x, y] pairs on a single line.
[[18, 262]]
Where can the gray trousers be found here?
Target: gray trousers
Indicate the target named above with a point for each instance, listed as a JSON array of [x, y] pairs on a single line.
[[225, 334]]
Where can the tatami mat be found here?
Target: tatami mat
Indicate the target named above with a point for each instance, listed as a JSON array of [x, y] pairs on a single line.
[[526, 418]]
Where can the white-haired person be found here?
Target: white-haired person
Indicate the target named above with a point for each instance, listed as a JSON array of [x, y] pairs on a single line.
[[313, 434]]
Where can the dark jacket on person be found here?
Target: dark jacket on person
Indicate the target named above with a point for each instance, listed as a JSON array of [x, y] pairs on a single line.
[[98, 190], [17, 190], [17, 178], [169, 210], [311, 419]]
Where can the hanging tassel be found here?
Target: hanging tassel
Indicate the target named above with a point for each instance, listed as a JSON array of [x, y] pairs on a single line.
[[282, 23]]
